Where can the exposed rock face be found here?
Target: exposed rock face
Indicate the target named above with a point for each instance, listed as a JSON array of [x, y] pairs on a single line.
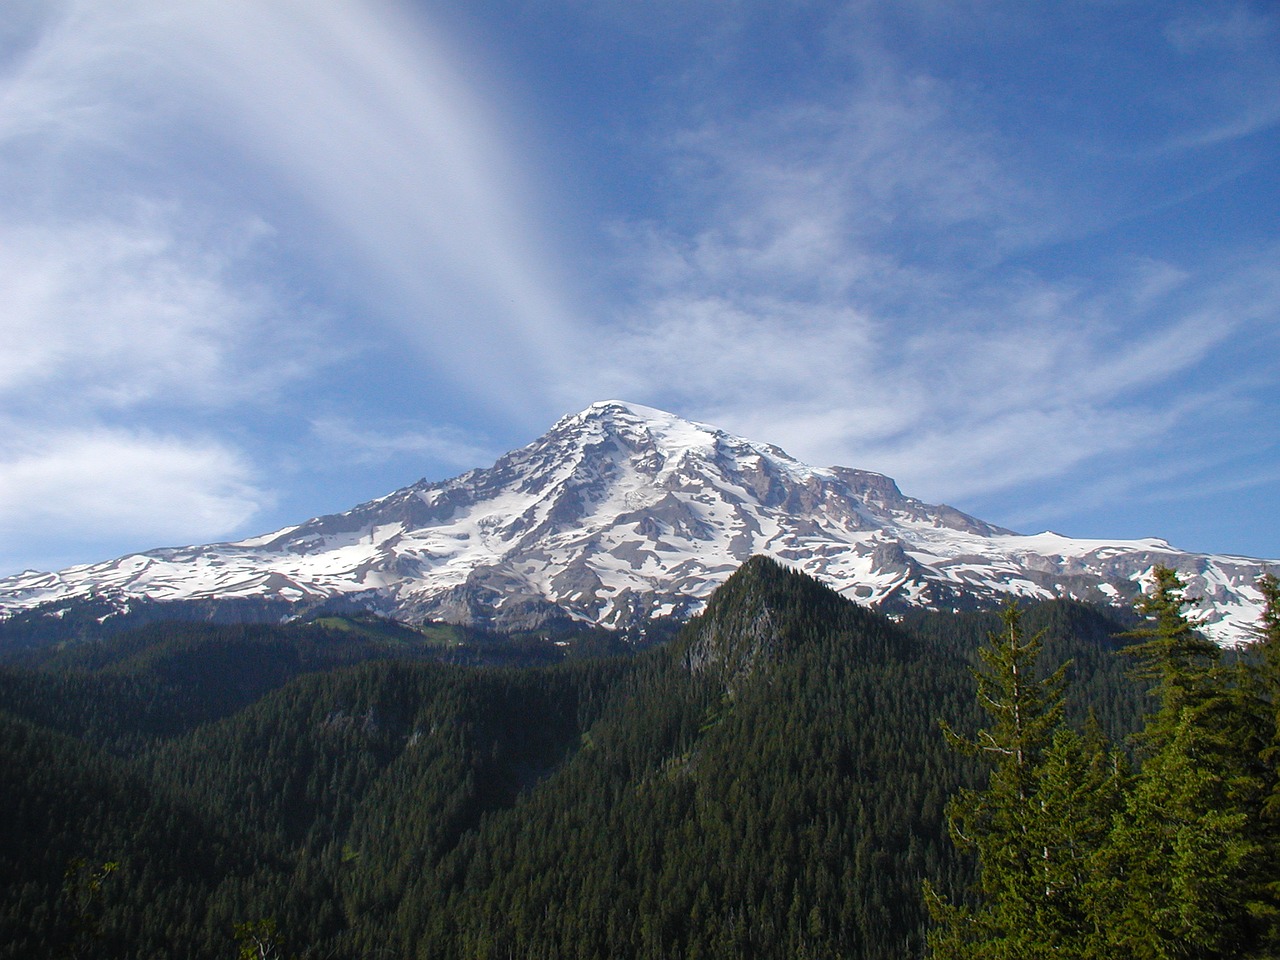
[[621, 513]]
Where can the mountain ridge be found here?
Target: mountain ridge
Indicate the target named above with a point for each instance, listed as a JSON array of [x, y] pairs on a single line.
[[621, 513]]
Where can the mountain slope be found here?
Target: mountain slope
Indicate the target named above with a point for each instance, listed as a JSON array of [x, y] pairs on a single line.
[[621, 513]]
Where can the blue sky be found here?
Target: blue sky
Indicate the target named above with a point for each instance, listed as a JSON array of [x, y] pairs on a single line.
[[261, 260]]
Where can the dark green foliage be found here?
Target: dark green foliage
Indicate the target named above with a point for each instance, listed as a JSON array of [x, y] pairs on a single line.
[[772, 783], [1078, 857], [1266, 689], [97, 618], [82, 901], [1087, 637], [68, 809], [1263, 670], [259, 940], [1033, 828], [1176, 659], [780, 798], [1185, 848]]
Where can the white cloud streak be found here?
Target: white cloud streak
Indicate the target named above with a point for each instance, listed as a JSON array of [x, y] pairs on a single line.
[[365, 114]]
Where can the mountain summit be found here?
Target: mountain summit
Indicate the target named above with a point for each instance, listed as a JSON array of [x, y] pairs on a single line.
[[623, 512]]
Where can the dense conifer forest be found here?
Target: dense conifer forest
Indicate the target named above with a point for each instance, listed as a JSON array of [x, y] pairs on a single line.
[[790, 776]]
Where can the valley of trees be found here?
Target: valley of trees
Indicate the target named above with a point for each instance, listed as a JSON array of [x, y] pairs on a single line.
[[773, 782]]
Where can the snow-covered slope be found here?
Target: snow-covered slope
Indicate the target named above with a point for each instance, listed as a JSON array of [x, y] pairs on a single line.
[[622, 512]]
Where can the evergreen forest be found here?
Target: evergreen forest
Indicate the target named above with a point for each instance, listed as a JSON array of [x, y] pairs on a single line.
[[790, 775]]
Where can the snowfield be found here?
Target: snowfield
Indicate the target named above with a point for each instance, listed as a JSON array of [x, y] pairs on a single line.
[[621, 512]]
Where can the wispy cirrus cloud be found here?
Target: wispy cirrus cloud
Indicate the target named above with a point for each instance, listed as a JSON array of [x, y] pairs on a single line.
[[84, 486], [127, 312], [832, 197], [866, 279], [119, 343], [185, 183], [367, 119], [975, 246], [446, 445], [1228, 52], [351, 127]]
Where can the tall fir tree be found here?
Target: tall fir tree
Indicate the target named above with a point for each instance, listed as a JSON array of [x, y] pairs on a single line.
[[1267, 673], [1172, 656], [1179, 870], [1266, 698], [1033, 828]]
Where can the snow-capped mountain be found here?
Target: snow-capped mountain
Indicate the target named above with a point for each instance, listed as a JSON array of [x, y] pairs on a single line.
[[623, 512]]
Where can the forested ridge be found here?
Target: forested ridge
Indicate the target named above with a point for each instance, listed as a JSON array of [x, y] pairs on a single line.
[[773, 782]]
